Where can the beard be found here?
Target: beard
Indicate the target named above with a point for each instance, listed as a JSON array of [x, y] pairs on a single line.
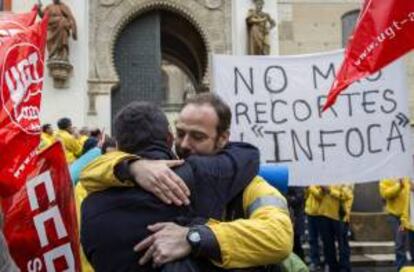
[[182, 153]]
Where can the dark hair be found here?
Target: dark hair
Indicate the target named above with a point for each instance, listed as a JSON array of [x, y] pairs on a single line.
[[109, 142], [45, 127], [220, 107], [95, 132], [139, 125], [64, 123], [90, 143]]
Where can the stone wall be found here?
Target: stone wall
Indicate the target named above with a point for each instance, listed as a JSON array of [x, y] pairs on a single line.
[[311, 26]]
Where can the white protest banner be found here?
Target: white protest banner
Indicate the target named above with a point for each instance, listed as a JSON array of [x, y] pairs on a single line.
[[276, 104]]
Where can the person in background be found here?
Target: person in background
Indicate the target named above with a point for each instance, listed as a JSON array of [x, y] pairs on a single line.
[[95, 136], [109, 145], [313, 202], [46, 137], [83, 135], [296, 202], [396, 193], [71, 145], [332, 213]]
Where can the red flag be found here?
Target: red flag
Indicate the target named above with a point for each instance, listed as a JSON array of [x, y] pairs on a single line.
[[21, 80], [20, 21], [384, 32], [40, 220]]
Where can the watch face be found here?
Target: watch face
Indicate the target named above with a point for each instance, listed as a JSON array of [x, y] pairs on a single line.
[[194, 237]]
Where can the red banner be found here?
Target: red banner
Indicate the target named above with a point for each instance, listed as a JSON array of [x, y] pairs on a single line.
[[10, 23], [40, 219], [384, 32], [21, 80]]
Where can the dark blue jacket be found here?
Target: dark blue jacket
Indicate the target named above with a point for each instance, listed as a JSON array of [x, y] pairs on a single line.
[[113, 221]]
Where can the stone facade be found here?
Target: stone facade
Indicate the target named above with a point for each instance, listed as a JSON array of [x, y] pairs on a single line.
[[106, 20], [311, 26]]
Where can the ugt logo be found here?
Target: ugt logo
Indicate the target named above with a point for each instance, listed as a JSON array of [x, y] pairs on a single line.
[[21, 84]]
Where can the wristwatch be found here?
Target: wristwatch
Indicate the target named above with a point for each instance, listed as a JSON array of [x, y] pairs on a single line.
[[194, 239]]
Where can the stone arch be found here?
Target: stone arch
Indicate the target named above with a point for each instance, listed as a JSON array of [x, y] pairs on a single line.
[[171, 7], [108, 18]]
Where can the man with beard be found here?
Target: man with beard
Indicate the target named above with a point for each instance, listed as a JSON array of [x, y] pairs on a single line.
[[262, 233], [256, 229], [113, 220]]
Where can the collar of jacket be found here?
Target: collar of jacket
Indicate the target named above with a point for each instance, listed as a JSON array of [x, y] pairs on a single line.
[[156, 151]]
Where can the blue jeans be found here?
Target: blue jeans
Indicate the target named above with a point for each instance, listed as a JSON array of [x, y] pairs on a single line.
[[331, 231], [314, 233], [400, 239]]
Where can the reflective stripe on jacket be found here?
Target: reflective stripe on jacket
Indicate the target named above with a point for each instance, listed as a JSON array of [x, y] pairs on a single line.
[[265, 237]]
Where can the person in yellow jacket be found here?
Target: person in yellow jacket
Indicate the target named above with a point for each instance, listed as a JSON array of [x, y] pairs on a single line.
[[47, 137], [396, 193], [332, 214], [72, 146], [262, 232], [313, 201]]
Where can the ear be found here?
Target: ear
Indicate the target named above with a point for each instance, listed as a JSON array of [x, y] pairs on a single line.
[[223, 139], [170, 139]]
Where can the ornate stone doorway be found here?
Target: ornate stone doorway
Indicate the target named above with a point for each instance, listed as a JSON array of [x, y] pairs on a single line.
[[157, 55], [188, 30]]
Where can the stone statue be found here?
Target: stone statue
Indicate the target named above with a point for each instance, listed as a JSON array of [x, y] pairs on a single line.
[[61, 24], [259, 25]]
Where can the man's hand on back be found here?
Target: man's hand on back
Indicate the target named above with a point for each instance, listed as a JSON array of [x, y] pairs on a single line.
[[167, 244], [158, 178]]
